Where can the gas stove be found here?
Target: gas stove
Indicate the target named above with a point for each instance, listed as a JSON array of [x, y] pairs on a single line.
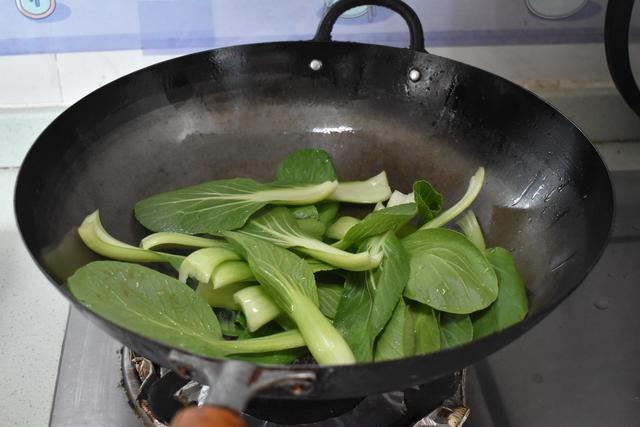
[[577, 367]]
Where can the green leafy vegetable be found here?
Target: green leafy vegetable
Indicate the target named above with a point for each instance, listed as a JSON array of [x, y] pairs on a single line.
[[398, 338], [178, 240], [98, 240], [230, 272], [312, 228], [257, 306], [387, 283], [511, 306], [468, 223], [290, 282], [398, 198], [220, 298], [427, 330], [329, 297], [305, 212], [281, 357], [201, 264], [353, 316], [280, 228], [378, 222], [216, 206], [327, 212], [160, 307], [255, 266], [428, 200], [455, 330], [339, 228], [375, 189], [448, 272], [369, 298], [306, 166], [475, 184]]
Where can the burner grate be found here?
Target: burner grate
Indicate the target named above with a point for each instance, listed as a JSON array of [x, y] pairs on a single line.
[[158, 393]]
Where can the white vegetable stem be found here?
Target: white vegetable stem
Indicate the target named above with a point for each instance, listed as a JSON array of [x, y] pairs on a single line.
[[339, 229], [201, 264], [375, 189], [475, 184], [323, 340], [257, 306], [98, 240], [222, 298], [230, 272], [306, 195], [399, 198], [167, 239], [469, 225]]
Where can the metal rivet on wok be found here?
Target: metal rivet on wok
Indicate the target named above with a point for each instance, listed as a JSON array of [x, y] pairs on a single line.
[[315, 64], [414, 75]]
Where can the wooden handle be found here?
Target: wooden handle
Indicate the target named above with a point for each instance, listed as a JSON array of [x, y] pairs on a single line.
[[207, 416]]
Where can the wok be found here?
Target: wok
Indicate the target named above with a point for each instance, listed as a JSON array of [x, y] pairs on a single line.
[[238, 111]]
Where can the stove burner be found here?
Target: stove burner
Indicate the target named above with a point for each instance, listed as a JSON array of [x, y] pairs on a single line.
[[158, 393]]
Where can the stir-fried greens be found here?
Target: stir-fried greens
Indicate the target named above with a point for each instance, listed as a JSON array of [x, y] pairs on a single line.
[[247, 258]]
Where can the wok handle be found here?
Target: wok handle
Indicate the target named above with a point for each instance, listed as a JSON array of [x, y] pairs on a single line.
[[323, 33], [207, 416]]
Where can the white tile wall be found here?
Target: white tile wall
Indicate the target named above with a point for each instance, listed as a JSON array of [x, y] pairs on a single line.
[[82, 72], [535, 62], [29, 80]]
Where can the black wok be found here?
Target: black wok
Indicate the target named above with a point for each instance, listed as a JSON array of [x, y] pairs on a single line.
[[237, 111]]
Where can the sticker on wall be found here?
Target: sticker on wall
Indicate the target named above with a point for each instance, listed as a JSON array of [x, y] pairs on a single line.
[[36, 9]]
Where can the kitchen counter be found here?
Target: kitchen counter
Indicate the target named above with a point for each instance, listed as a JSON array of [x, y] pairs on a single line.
[[33, 317], [33, 314]]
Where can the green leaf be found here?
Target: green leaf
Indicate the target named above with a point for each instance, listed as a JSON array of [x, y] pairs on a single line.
[[427, 330], [282, 272], [278, 226], [216, 206], [232, 322], [475, 185], [312, 227], [428, 200], [353, 316], [448, 272], [455, 329], [317, 266], [160, 307], [397, 340], [305, 212], [329, 296], [327, 212], [306, 166], [369, 298], [511, 306], [291, 284], [378, 222], [387, 282]]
